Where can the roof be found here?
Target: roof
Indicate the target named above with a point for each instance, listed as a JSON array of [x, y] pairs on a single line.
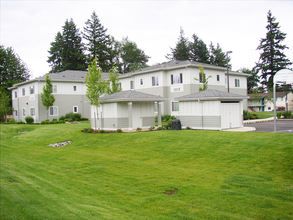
[[211, 95], [130, 95], [64, 76], [261, 95], [175, 64]]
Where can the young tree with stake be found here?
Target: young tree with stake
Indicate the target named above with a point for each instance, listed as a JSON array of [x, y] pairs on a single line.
[[47, 98]]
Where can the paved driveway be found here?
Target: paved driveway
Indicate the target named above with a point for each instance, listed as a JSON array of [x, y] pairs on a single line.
[[283, 126]]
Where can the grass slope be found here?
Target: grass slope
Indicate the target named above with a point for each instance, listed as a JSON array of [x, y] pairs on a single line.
[[208, 174]]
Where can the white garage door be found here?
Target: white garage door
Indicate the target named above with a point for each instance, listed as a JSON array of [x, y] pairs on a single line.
[[230, 114]]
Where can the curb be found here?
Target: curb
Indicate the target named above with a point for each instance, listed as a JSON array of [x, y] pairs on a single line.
[[257, 121]]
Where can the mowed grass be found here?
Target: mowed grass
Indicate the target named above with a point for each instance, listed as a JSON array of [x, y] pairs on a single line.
[[164, 175], [263, 115]]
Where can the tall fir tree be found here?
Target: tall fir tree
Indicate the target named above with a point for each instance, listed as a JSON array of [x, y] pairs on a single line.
[[272, 59], [181, 50], [98, 43], [252, 80], [67, 52], [217, 56], [198, 50]]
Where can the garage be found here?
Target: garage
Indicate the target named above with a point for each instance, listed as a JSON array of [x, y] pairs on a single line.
[[211, 110]]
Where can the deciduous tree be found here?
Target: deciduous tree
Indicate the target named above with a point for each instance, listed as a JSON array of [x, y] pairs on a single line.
[[114, 85], [47, 97], [203, 79]]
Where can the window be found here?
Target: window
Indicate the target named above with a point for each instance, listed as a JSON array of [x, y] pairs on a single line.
[[200, 78], [119, 87], [32, 89], [175, 106], [269, 108], [155, 81], [237, 83], [75, 109], [23, 91], [15, 94], [74, 88], [176, 78], [53, 111], [23, 112], [15, 112], [131, 85], [54, 88], [141, 82], [32, 111], [218, 78]]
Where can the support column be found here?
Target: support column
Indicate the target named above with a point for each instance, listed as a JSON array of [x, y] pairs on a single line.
[[159, 114], [130, 116]]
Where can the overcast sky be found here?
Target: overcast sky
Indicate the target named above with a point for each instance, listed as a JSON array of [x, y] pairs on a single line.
[[30, 26]]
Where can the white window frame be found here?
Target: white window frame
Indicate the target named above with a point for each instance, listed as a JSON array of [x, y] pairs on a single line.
[[15, 94], [74, 109], [74, 88], [175, 106], [218, 78], [200, 78], [23, 91], [176, 78], [15, 113], [32, 90], [155, 81], [54, 107], [32, 111], [23, 112], [131, 84], [141, 82], [54, 88]]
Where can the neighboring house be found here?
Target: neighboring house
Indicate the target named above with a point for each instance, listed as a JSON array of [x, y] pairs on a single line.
[[211, 109], [261, 102], [69, 90], [176, 78]]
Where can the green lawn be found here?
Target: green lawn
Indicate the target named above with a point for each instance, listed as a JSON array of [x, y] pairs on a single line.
[[208, 174], [262, 115]]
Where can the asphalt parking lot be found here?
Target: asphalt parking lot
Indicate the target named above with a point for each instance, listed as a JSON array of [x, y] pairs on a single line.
[[283, 126]]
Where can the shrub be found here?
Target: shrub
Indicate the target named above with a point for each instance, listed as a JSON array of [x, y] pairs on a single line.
[[188, 128], [62, 118], [61, 121], [102, 131], [279, 115], [11, 121], [20, 122], [29, 119], [90, 130], [69, 115], [119, 130], [281, 108], [152, 128], [288, 114], [160, 128], [76, 116], [43, 122], [138, 129]]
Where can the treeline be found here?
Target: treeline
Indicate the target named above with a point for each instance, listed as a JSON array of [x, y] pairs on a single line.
[[75, 50]]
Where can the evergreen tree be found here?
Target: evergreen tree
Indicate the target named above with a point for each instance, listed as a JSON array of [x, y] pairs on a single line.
[[98, 42], [67, 52], [272, 59], [130, 57], [181, 50], [198, 50], [252, 80], [217, 56], [47, 97]]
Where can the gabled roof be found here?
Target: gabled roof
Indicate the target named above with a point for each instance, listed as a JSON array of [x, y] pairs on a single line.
[[130, 96], [64, 76], [211, 95], [175, 64], [261, 95]]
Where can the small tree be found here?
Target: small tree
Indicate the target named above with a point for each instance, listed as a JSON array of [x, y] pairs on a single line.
[[47, 98], [203, 79], [5, 107], [114, 81], [95, 86]]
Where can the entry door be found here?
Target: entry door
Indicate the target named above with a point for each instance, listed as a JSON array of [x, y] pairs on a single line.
[[136, 116], [230, 115]]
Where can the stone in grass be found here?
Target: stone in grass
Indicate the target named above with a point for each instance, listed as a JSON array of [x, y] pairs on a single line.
[[22, 132], [61, 144]]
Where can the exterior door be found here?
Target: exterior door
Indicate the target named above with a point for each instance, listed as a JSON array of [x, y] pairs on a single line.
[[136, 116], [230, 115]]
